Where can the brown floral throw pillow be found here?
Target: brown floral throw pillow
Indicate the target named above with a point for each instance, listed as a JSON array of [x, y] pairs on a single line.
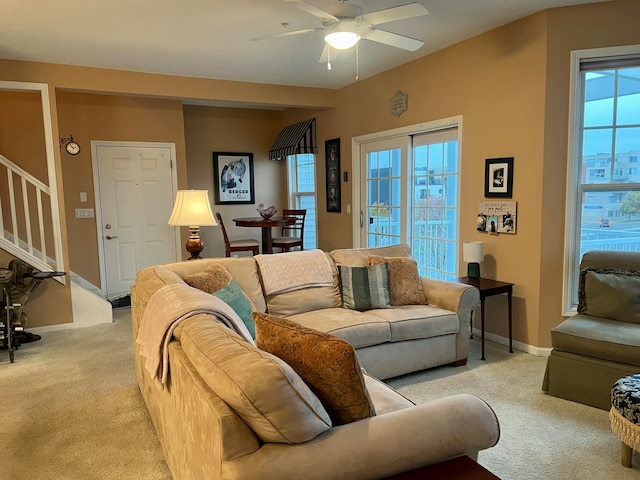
[[327, 364], [405, 285]]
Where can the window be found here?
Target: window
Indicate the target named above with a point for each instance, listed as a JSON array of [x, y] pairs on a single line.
[[302, 193], [408, 193], [603, 189]]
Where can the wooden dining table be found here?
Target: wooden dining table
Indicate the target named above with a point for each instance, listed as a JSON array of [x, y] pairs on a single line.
[[266, 225]]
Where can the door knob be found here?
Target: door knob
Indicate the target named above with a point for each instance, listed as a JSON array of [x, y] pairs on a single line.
[[110, 237]]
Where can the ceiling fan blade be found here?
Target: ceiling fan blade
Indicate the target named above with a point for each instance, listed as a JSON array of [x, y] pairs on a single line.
[[392, 14], [394, 40], [313, 10], [324, 57], [285, 34]]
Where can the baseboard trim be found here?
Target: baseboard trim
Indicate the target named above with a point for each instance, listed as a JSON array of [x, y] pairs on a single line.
[[520, 346]]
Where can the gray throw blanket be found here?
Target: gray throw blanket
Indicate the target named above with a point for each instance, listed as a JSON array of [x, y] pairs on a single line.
[[166, 308]]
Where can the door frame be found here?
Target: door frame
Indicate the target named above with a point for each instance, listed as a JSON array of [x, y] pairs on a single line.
[[356, 151], [95, 144]]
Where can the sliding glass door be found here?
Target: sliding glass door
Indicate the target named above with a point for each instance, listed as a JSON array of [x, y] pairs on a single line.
[[409, 194]]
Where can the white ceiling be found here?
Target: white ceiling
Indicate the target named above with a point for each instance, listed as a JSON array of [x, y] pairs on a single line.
[[210, 38]]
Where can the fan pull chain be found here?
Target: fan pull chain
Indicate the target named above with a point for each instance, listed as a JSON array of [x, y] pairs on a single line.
[[357, 62], [328, 56]]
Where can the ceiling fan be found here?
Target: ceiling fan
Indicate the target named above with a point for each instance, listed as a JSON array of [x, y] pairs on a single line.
[[346, 23]]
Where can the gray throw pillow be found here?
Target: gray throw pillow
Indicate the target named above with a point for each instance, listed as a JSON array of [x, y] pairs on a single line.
[[610, 293], [365, 288]]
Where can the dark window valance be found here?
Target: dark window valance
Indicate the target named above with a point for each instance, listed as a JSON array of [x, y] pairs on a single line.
[[295, 139]]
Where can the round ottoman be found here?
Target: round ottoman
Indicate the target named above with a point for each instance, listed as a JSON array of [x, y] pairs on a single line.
[[625, 415]]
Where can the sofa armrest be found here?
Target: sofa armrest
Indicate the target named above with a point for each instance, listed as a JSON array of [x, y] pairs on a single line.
[[379, 446], [459, 298], [454, 296]]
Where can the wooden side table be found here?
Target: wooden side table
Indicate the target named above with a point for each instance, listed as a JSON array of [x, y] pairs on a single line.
[[460, 468], [488, 288]]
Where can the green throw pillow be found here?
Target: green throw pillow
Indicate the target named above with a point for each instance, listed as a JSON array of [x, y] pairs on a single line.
[[233, 296], [365, 288]]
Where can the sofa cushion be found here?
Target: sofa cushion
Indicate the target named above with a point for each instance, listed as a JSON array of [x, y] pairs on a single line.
[[359, 257], [405, 286], [260, 387], [360, 329], [365, 288], [596, 337], [300, 301], [326, 363], [610, 293], [306, 299], [385, 399], [410, 322]]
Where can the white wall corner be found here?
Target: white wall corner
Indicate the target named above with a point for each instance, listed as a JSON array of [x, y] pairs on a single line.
[[89, 308]]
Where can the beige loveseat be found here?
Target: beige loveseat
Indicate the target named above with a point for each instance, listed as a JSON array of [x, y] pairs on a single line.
[[600, 344], [203, 437]]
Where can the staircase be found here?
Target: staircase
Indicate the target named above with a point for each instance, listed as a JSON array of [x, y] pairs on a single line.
[[30, 230]]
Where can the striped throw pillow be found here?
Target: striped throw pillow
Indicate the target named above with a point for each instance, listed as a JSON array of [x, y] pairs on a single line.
[[365, 288]]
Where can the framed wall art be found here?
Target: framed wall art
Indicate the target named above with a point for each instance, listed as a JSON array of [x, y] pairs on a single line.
[[498, 178], [332, 153], [233, 178]]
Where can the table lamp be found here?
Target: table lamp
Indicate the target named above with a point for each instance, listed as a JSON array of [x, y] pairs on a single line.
[[473, 254], [192, 209]]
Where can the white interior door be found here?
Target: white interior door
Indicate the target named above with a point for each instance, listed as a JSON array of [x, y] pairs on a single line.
[[136, 187]]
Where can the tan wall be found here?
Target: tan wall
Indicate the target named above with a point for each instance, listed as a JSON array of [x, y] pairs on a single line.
[[22, 131], [112, 118], [209, 130]]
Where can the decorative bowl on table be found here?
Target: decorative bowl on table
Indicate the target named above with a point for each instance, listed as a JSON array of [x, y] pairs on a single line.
[[266, 213]]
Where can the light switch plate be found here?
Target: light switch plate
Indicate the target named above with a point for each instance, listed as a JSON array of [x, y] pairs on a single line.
[[84, 213]]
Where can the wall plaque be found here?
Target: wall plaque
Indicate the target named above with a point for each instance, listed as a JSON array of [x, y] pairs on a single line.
[[398, 103]]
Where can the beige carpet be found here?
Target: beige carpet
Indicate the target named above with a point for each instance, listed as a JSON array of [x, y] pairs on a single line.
[[70, 409]]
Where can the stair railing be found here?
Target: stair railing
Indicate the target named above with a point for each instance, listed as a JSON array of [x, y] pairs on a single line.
[[29, 231]]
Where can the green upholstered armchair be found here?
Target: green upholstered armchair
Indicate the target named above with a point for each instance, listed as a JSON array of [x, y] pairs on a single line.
[[600, 344]]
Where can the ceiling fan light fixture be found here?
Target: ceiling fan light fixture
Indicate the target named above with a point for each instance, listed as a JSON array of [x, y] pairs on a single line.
[[342, 40]]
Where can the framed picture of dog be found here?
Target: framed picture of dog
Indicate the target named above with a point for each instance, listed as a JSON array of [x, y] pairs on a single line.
[[233, 178]]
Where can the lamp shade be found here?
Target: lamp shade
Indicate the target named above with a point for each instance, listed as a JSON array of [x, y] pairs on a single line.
[[473, 252], [192, 208], [342, 40]]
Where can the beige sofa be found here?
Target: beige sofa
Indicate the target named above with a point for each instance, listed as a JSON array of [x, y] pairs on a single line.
[[600, 344], [204, 438]]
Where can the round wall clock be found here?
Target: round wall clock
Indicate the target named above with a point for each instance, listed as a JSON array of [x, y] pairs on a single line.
[[72, 148]]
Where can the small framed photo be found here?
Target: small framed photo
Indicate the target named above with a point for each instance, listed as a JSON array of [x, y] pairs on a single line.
[[498, 178], [233, 178]]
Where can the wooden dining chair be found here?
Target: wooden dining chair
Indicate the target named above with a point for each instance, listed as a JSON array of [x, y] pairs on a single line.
[[240, 245], [292, 235]]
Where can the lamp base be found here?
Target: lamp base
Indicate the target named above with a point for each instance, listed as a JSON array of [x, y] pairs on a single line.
[[473, 270], [194, 244]]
